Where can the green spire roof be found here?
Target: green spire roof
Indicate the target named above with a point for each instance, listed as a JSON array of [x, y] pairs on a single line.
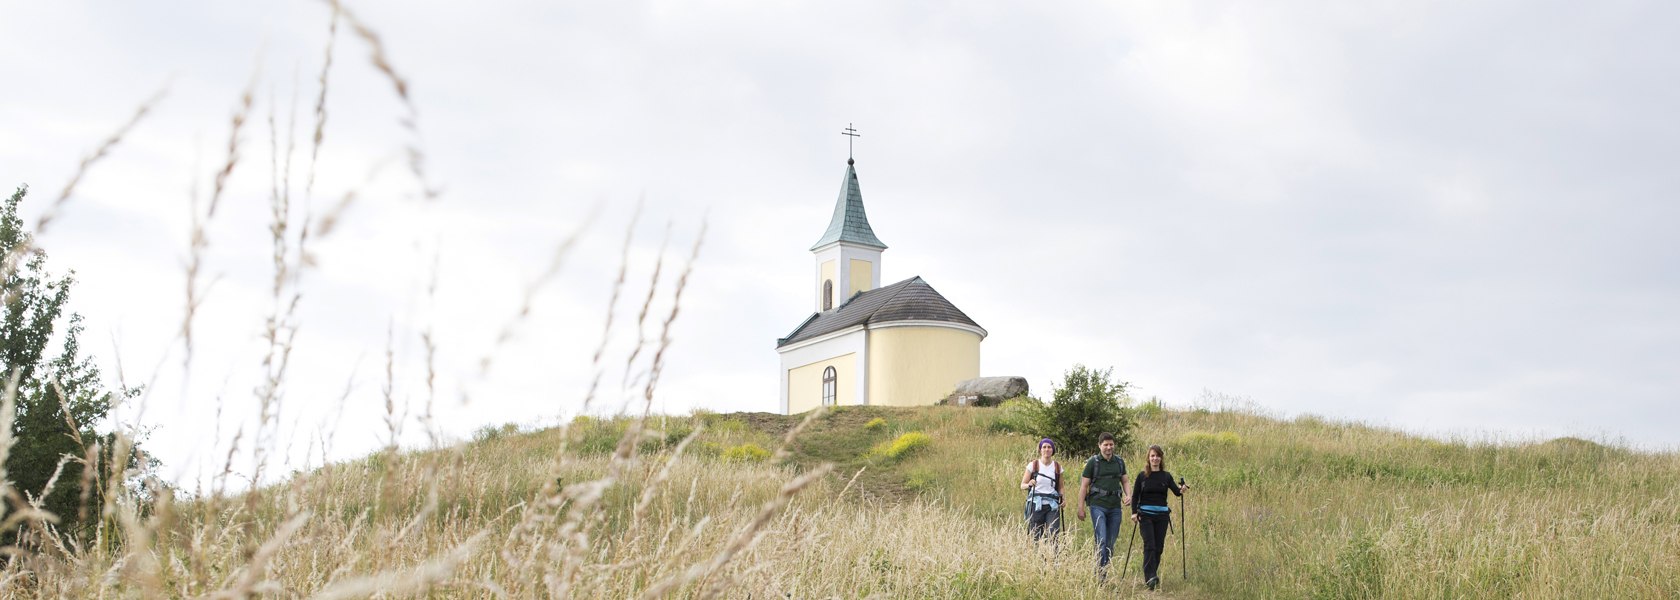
[[849, 223]]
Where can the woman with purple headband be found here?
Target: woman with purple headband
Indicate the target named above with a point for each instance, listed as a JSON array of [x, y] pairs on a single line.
[[1043, 483]]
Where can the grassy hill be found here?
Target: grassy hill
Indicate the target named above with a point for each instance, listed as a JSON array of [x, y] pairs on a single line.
[[1280, 509]]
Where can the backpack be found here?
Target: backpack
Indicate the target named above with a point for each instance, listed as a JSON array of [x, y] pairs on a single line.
[[1098, 474]]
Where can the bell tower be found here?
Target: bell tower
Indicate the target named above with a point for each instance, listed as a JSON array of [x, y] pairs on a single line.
[[848, 254]]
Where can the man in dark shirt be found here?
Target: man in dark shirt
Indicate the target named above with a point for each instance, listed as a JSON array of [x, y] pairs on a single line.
[[1103, 485]]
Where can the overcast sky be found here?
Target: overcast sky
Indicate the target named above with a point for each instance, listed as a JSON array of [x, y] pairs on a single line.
[[1447, 217]]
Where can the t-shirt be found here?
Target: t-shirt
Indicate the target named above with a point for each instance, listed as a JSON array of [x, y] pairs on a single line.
[[1045, 482], [1044, 485], [1105, 475]]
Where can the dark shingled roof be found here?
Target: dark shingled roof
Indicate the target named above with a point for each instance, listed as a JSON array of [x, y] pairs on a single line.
[[849, 223], [908, 300]]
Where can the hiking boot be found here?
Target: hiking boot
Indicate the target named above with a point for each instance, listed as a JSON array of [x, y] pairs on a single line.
[[1153, 583]]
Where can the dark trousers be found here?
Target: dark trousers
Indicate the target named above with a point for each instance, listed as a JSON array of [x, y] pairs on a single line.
[[1044, 520], [1154, 530]]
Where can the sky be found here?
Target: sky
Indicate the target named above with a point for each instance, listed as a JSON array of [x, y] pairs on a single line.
[[1452, 218]]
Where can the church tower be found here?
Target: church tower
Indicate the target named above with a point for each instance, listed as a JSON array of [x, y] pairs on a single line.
[[848, 254]]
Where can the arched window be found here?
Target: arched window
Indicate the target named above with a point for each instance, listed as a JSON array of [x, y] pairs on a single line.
[[828, 295], [829, 380]]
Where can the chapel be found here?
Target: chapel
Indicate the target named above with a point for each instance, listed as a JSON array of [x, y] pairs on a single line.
[[901, 344]]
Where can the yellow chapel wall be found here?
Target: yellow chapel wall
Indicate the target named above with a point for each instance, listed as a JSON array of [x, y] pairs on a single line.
[[805, 383], [827, 274], [912, 366], [862, 277]]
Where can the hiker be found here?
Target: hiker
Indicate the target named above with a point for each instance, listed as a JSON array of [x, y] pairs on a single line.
[[1043, 483], [1103, 485], [1150, 510]]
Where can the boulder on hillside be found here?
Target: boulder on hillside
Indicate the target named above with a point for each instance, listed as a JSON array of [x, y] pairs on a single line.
[[987, 391]]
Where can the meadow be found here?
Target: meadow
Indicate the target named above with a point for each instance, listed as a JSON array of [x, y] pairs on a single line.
[[841, 506]]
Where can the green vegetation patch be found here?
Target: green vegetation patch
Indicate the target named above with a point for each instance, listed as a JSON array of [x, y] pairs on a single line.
[[1202, 439], [1018, 415], [489, 433], [903, 446], [922, 480], [1357, 571], [748, 452], [590, 435], [1149, 409]]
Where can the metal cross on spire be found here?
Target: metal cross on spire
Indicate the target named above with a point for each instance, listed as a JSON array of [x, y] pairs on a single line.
[[849, 131]]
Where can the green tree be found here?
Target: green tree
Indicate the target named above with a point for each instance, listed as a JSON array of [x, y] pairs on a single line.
[[1086, 404], [61, 400]]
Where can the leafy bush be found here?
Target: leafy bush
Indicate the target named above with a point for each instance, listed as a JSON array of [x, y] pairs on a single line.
[[1086, 404], [748, 452], [875, 423], [903, 446], [60, 398], [1022, 414]]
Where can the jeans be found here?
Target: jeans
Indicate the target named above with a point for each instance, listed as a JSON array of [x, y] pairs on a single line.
[[1105, 523], [1154, 530]]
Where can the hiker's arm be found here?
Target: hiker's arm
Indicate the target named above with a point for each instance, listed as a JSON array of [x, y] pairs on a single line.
[[1137, 488], [1084, 489], [1026, 479], [1125, 500]]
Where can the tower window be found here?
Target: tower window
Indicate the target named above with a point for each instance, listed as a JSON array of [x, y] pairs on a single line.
[[828, 295], [829, 381]]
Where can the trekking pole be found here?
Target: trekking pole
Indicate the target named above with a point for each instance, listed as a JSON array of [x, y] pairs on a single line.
[[1183, 538], [1128, 564]]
